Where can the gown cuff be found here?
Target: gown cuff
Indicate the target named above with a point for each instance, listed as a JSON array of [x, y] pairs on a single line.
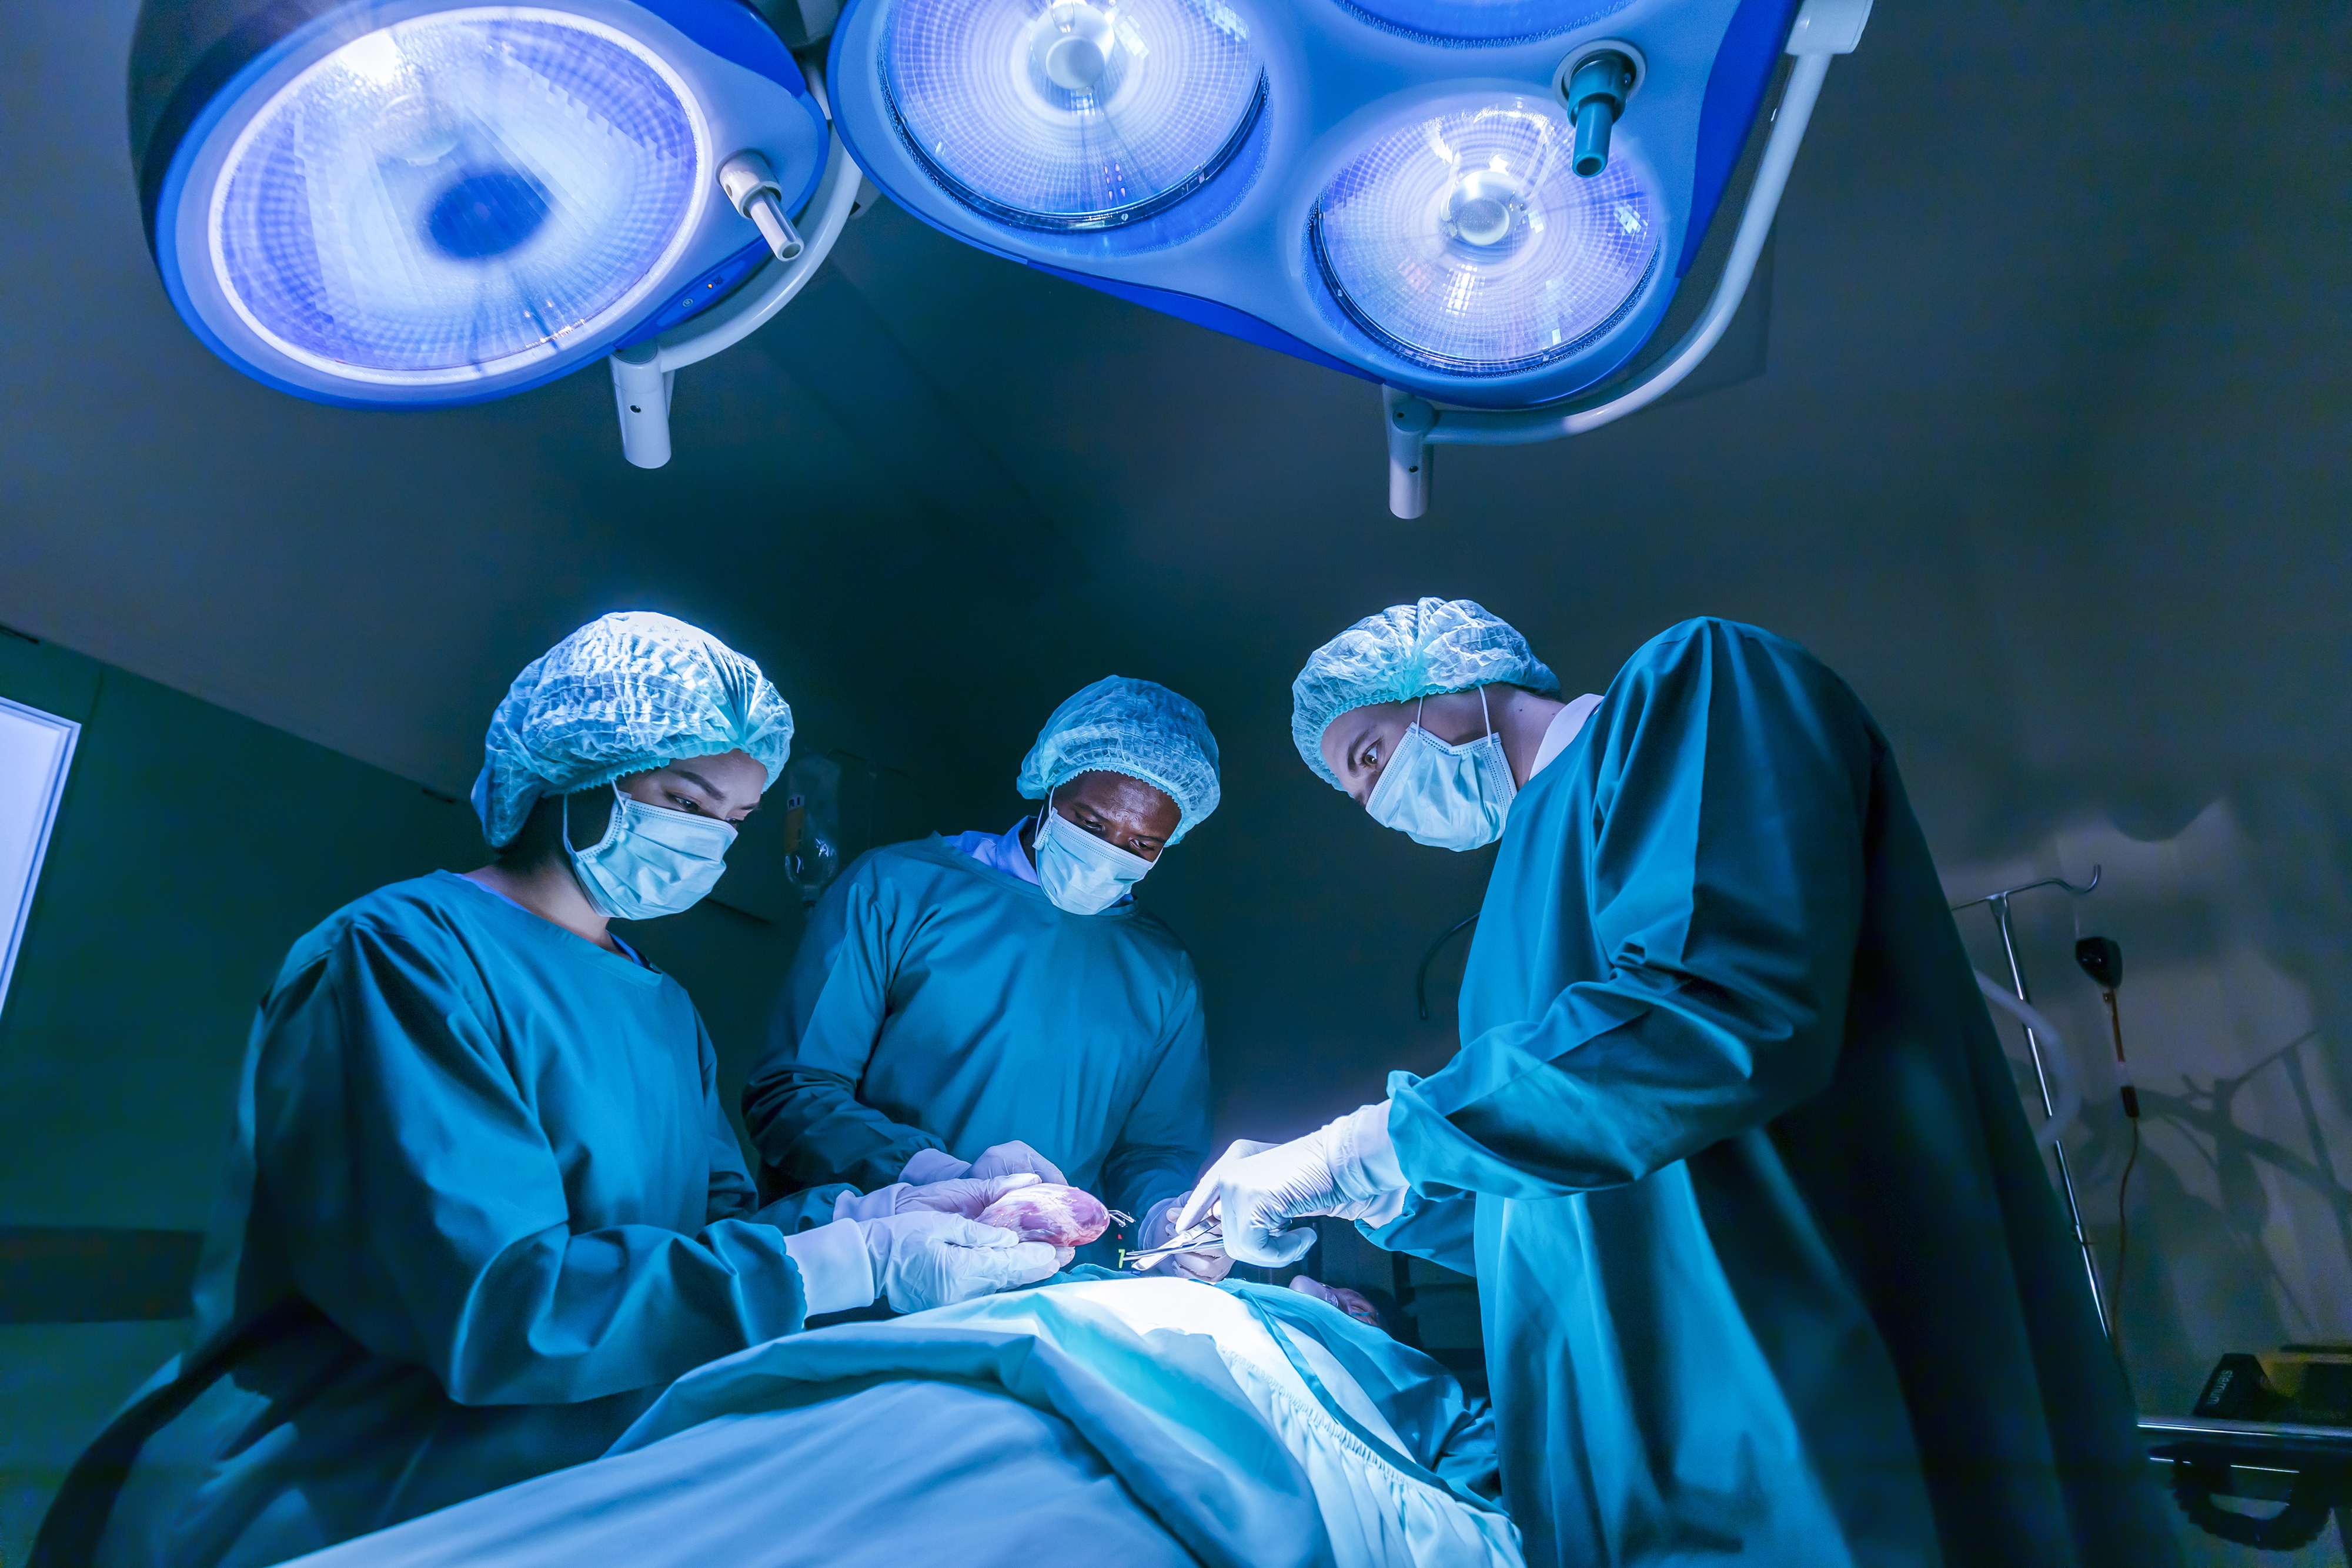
[[837, 1271], [1365, 1134], [929, 1165]]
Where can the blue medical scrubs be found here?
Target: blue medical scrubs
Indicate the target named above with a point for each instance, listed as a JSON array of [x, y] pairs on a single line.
[[1770, 1269], [489, 1156], [938, 1003]]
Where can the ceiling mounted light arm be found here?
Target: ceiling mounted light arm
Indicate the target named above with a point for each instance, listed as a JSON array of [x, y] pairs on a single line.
[[1413, 424], [643, 375]]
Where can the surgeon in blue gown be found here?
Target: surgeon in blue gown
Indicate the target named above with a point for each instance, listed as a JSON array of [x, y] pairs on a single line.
[[482, 1204], [1768, 1264], [1000, 1002]]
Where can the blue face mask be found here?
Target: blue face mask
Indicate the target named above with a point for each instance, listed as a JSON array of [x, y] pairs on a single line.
[[1080, 873], [651, 861], [1447, 797]]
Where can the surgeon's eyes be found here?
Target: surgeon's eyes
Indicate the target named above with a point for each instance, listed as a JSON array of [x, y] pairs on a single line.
[[687, 803], [1373, 755]]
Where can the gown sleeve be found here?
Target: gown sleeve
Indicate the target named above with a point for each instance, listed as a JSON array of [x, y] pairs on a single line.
[[1165, 1138], [732, 1196], [1726, 885], [801, 1102], [422, 1208]]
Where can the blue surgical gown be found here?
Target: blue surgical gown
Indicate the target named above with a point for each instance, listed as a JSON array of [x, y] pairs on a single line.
[[490, 1157], [1768, 1263], [939, 1003]]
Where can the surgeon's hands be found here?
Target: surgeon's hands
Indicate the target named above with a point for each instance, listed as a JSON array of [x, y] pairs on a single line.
[[924, 1260], [1211, 1263], [967, 1196], [1009, 1159], [1348, 1168]]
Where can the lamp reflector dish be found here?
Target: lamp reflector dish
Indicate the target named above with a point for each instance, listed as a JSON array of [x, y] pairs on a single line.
[[1466, 242], [1483, 21], [1073, 114], [458, 195]]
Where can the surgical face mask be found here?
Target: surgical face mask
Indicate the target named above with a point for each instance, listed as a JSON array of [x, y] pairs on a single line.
[[1080, 873], [1447, 797], [652, 861]]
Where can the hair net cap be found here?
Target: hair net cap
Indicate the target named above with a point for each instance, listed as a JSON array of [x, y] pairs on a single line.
[[626, 693], [1408, 651], [1140, 728]]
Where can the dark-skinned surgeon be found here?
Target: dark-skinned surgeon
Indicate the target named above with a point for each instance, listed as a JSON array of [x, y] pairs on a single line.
[[482, 1204], [1001, 998], [1769, 1267]]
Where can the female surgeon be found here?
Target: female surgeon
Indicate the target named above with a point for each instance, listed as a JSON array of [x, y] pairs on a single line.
[[1001, 998], [482, 1204], [1768, 1265]]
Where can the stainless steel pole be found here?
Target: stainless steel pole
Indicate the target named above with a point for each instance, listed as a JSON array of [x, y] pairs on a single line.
[[1999, 903]]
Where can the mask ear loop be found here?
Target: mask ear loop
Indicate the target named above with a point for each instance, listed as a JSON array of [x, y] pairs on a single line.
[[1483, 712]]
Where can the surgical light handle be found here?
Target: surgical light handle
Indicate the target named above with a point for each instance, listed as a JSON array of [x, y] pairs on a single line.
[[643, 376], [751, 186], [1822, 29]]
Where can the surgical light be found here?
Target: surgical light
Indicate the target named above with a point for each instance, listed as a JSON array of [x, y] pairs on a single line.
[[455, 198], [1466, 242], [416, 202], [1520, 218], [1070, 116], [1483, 21]]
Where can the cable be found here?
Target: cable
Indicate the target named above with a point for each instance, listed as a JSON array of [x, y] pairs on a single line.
[[1421, 976]]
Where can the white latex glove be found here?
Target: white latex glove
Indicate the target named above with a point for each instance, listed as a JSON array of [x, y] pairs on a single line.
[[926, 1166], [1209, 1263], [967, 1196], [923, 1261], [1348, 1168], [1003, 1159]]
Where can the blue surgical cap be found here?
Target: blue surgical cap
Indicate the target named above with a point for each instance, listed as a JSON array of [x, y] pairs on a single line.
[[1408, 651], [1139, 728], [625, 694]]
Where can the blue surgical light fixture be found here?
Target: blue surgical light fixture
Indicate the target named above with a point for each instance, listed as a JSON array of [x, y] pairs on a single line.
[[415, 203], [1521, 218]]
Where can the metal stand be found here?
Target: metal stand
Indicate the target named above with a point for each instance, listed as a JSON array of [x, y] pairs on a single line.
[[1999, 903]]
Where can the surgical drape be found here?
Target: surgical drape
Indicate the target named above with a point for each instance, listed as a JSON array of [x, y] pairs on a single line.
[[936, 1002], [490, 1156], [1768, 1259]]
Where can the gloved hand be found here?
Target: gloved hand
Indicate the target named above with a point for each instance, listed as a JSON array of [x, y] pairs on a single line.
[[923, 1261], [926, 1166], [967, 1196], [1211, 1263], [1004, 1159], [1348, 1168]]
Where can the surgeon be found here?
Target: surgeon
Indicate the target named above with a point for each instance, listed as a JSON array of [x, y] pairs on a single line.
[[482, 1203], [996, 1003], [1769, 1267]]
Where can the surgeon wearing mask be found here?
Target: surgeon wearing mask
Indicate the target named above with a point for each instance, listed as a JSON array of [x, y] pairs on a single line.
[[1768, 1265], [482, 1203], [995, 1002]]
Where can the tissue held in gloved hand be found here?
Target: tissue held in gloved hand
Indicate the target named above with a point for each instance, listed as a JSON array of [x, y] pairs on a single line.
[[1063, 1216]]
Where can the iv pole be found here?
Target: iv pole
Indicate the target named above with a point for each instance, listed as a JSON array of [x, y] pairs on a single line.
[[2001, 916]]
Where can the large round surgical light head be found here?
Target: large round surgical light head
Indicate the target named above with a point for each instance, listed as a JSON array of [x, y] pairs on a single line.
[[419, 204], [499, 184], [1466, 242], [1070, 115]]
